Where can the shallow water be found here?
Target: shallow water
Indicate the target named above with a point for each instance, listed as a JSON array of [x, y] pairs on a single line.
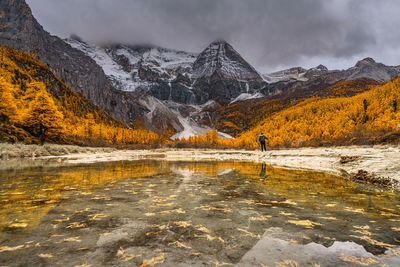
[[197, 213]]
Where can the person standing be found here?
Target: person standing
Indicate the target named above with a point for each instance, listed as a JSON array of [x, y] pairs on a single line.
[[262, 139]]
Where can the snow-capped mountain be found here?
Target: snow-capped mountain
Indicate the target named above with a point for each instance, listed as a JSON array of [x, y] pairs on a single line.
[[220, 56], [219, 72], [136, 68]]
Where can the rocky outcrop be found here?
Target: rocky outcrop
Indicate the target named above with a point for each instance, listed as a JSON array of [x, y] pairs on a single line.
[[20, 30], [368, 68], [123, 61], [315, 72]]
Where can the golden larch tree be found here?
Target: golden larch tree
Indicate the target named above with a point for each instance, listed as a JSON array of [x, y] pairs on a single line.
[[43, 116], [8, 109]]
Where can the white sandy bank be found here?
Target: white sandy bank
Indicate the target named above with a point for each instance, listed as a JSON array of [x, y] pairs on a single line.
[[382, 160], [10, 151]]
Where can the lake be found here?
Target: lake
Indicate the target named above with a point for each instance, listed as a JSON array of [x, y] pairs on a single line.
[[145, 213]]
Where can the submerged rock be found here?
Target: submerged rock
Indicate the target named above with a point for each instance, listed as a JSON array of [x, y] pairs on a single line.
[[363, 176]]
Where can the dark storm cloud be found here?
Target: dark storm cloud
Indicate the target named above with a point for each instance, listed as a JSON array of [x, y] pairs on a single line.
[[269, 33]]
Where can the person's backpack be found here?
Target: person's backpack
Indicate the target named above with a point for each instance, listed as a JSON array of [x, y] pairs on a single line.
[[261, 138]]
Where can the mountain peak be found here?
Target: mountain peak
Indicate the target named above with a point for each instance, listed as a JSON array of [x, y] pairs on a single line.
[[321, 67], [218, 46], [222, 74], [365, 61], [368, 68], [222, 57], [219, 41]]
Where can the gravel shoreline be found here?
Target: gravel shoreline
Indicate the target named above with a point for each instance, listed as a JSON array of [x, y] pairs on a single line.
[[12, 151]]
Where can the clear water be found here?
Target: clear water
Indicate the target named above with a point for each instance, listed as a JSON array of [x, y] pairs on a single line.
[[187, 214]]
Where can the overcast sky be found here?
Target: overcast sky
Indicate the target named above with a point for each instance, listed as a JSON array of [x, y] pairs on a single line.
[[270, 34]]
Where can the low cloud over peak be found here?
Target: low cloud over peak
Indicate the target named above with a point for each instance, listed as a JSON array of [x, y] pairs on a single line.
[[269, 34]]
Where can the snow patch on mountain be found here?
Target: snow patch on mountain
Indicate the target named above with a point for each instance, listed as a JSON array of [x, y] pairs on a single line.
[[118, 77], [191, 128], [184, 125], [246, 96], [122, 63], [169, 59], [296, 73]]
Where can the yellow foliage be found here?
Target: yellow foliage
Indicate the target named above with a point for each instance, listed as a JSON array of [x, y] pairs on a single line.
[[352, 87], [209, 138], [47, 107], [330, 119], [240, 117], [317, 119], [43, 115], [8, 109]]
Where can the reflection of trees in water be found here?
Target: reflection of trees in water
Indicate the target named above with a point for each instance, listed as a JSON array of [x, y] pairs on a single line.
[[31, 193], [28, 195], [252, 198]]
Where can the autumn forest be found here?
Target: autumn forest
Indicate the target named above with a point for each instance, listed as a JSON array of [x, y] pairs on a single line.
[[37, 106]]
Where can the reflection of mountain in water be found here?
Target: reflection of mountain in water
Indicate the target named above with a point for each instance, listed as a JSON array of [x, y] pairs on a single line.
[[184, 208]]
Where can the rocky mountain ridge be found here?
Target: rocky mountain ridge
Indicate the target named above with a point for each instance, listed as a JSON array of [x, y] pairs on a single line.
[[151, 70], [306, 83], [218, 73], [365, 68]]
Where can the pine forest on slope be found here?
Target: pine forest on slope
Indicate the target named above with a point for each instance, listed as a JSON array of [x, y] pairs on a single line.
[[36, 104]]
